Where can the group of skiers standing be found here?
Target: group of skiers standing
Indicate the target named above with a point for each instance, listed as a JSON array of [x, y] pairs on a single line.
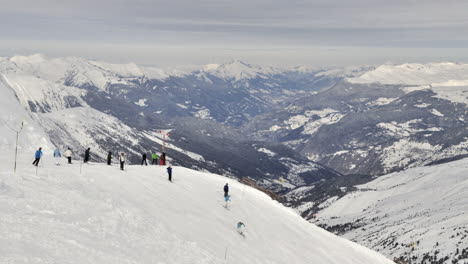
[[57, 156], [122, 158]]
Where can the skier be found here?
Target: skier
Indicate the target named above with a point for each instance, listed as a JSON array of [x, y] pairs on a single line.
[[155, 158], [240, 228], [143, 160], [57, 156], [227, 199], [122, 160], [162, 160], [226, 190], [109, 158], [169, 173], [86, 155], [38, 156], [68, 155]]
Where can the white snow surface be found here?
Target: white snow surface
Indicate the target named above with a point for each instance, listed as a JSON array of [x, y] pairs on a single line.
[[88, 126], [425, 204], [415, 74], [267, 151], [311, 120], [31, 137], [45, 94], [105, 215], [141, 102]]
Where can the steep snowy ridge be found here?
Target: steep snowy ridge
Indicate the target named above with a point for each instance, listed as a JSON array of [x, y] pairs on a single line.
[[75, 71], [13, 114], [40, 95], [419, 213]]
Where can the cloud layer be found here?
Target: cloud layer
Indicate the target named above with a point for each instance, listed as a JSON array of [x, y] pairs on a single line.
[[291, 32]]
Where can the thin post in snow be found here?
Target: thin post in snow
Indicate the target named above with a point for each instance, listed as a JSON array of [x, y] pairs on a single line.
[[225, 253], [16, 146]]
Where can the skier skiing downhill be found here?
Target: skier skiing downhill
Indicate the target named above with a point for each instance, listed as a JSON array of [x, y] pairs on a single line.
[[122, 160], [227, 199], [68, 155], [38, 156], [86, 155], [57, 156], [241, 228], [226, 190]]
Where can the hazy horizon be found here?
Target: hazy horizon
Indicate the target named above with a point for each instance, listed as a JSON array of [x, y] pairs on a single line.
[[315, 33]]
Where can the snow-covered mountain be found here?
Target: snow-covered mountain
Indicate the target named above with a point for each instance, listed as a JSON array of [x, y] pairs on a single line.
[[418, 214], [414, 74], [373, 125]]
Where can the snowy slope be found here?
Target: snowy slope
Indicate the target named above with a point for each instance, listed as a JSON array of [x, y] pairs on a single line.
[[86, 126], [104, 215], [423, 206], [13, 113], [40, 95]]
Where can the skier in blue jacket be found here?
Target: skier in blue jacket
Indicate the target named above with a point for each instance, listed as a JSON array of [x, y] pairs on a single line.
[[169, 173], [38, 157], [57, 156]]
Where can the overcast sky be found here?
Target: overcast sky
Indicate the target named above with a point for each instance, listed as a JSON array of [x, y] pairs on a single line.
[[285, 32]]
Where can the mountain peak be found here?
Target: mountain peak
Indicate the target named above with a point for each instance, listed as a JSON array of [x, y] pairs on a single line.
[[237, 62], [237, 69], [414, 73], [31, 59]]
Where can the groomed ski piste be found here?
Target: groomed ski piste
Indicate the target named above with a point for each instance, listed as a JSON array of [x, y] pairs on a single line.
[[105, 215]]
